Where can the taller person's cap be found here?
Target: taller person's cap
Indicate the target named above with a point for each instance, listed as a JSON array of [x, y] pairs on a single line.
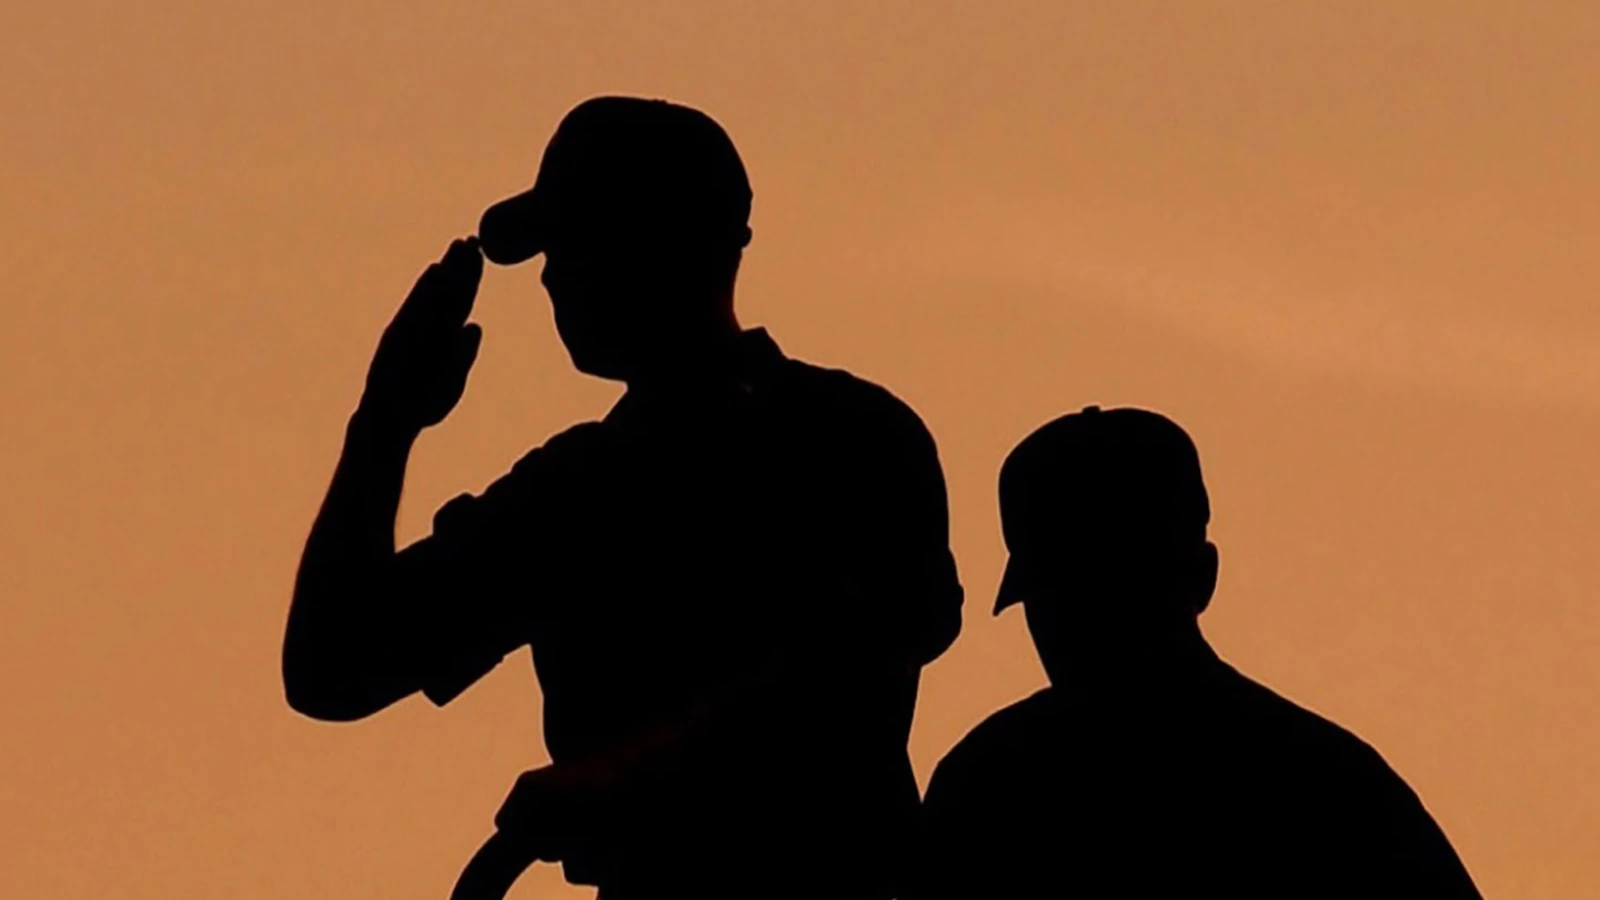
[[627, 168], [1101, 481]]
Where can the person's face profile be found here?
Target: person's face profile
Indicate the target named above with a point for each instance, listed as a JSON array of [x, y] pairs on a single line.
[[1096, 604], [596, 294], [624, 297], [1083, 608], [611, 288]]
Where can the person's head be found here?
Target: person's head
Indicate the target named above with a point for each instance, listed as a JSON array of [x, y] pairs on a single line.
[[1104, 514], [641, 208]]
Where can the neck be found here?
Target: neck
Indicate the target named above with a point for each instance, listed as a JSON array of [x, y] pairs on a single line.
[[1163, 664], [705, 351]]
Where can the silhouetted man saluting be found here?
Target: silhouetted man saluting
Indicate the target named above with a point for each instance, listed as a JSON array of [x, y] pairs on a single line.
[[729, 583], [1149, 767]]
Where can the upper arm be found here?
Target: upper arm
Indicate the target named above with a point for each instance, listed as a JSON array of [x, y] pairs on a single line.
[[1406, 851], [901, 529], [435, 617], [490, 562], [414, 623], [456, 613], [1421, 850], [475, 582]]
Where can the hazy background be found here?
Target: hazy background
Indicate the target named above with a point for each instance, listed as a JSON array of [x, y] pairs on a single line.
[[1350, 246]]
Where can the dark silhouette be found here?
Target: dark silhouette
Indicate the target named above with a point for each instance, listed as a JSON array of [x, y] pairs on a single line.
[[730, 583], [1149, 767]]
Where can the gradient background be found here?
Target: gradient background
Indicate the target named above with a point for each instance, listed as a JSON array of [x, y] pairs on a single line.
[[1352, 247]]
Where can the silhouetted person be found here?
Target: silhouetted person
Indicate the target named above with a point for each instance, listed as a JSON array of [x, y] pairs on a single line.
[[1149, 767], [729, 583]]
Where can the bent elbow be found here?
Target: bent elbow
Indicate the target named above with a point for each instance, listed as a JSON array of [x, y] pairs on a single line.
[[323, 706], [337, 665], [306, 697], [314, 693]]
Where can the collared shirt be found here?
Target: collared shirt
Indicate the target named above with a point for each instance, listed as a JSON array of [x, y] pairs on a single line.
[[773, 513]]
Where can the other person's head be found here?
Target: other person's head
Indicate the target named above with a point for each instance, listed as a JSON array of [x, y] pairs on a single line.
[[1104, 514]]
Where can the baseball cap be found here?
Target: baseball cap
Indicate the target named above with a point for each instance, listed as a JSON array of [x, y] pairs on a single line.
[[649, 169], [1118, 478]]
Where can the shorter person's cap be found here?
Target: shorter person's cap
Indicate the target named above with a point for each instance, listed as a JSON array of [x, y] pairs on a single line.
[[1114, 478], [649, 169]]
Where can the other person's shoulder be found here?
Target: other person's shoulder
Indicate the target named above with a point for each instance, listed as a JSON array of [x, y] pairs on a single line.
[[1339, 753], [1000, 744]]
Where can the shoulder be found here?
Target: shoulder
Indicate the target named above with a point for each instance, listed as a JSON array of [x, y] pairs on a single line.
[[541, 470], [575, 445], [1365, 807], [997, 746], [851, 401], [1343, 757]]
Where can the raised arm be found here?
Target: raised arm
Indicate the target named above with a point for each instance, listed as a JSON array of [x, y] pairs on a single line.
[[350, 647]]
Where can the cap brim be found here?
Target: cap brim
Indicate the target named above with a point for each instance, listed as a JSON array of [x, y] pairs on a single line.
[[512, 231], [1010, 593]]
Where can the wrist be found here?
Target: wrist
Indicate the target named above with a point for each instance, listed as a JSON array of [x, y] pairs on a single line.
[[372, 424]]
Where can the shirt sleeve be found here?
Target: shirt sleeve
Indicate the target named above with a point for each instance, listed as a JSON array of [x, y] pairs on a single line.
[[469, 584], [902, 532]]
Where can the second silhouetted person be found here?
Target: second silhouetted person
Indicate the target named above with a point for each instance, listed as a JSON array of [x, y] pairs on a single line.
[[1150, 767]]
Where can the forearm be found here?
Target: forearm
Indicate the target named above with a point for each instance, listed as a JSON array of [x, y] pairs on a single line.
[[350, 647], [332, 664], [357, 519]]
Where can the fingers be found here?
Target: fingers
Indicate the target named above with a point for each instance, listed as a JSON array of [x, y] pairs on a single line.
[[462, 267], [471, 341], [468, 342], [444, 292]]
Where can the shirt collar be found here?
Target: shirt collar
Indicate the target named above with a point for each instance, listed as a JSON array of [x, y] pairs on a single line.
[[753, 353]]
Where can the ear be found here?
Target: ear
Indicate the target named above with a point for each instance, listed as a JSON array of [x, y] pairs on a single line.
[[1205, 577]]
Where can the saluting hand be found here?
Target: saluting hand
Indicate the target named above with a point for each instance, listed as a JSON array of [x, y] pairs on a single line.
[[420, 368]]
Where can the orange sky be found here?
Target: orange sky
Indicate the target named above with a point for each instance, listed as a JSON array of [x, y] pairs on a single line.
[[1351, 247]]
